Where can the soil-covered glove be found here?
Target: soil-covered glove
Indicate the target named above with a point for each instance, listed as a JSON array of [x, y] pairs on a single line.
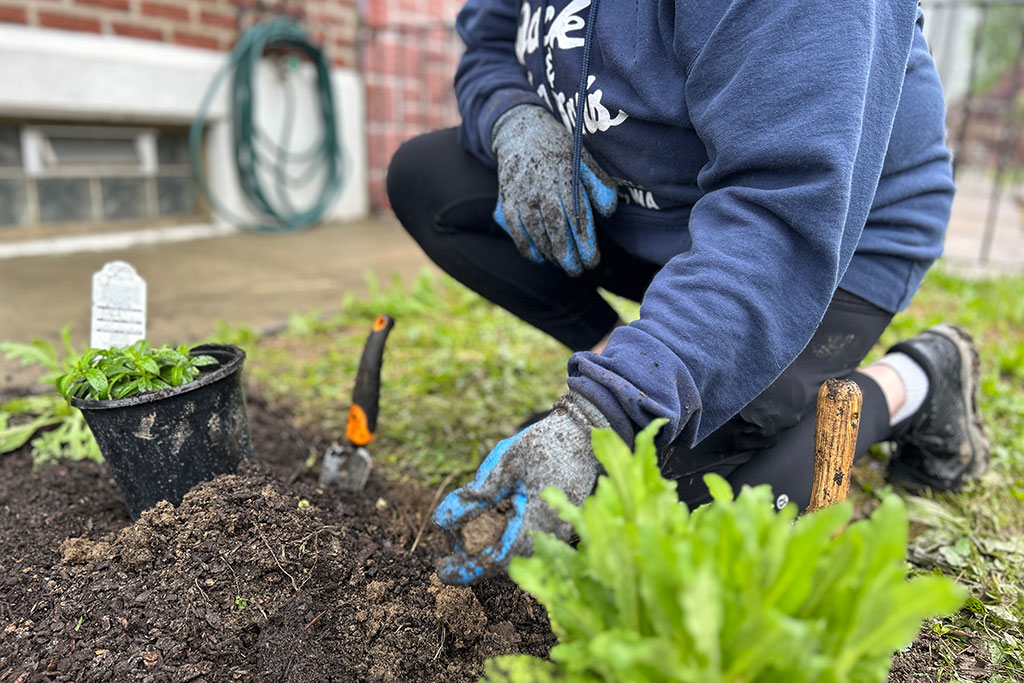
[[535, 206], [553, 452]]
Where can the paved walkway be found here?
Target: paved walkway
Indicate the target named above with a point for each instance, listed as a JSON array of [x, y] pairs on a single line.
[[966, 235]]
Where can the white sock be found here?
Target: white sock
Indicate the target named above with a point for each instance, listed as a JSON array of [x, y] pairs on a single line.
[[915, 383]]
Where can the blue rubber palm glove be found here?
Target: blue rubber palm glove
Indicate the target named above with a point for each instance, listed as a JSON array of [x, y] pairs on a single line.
[[553, 452], [535, 207]]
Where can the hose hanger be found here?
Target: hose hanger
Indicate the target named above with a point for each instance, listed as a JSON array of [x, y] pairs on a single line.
[[268, 170]]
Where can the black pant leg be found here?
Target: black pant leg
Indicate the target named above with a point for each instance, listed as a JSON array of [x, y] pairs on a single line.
[[445, 197], [771, 439], [788, 466]]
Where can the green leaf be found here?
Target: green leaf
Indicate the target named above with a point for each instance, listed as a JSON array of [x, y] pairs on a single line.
[[38, 352], [718, 487], [518, 669], [13, 438], [130, 389], [149, 365], [97, 380]]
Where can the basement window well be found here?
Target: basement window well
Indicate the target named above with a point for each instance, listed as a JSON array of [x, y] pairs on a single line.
[[62, 176]]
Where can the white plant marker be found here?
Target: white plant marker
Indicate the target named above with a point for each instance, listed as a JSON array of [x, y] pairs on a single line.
[[118, 306]]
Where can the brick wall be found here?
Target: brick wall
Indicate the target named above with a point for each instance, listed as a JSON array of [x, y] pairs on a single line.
[[407, 49], [408, 52], [211, 24]]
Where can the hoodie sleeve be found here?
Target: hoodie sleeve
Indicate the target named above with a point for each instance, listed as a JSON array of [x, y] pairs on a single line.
[[490, 80], [794, 101]]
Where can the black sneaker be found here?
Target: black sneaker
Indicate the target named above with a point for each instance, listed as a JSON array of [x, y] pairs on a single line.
[[943, 443]]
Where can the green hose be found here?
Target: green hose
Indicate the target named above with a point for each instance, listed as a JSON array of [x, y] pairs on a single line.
[[259, 155]]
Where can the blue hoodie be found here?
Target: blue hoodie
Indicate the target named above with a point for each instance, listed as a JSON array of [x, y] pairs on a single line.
[[769, 151]]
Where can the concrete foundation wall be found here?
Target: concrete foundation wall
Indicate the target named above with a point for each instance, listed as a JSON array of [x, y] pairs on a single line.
[[76, 76]]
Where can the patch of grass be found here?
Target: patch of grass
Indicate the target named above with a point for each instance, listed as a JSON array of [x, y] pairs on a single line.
[[977, 535], [459, 374]]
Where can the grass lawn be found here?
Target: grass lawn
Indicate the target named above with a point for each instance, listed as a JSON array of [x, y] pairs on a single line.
[[459, 374]]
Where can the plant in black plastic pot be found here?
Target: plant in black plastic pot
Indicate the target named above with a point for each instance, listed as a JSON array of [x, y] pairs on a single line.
[[165, 419]]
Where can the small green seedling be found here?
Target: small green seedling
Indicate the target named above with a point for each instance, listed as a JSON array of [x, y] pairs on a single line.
[[107, 374]]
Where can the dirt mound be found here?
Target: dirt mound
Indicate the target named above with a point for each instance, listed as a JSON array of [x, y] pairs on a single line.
[[253, 578]]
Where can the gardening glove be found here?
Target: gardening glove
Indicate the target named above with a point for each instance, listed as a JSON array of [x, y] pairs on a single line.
[[535, 207], [553, 452]]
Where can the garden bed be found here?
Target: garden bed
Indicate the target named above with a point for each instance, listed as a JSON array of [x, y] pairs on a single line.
[[256, 576], [262, 575]]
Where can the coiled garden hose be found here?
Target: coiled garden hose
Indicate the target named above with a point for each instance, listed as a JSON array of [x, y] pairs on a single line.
[[258, 156]]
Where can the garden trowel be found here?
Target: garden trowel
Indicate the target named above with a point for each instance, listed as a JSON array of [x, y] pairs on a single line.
[[348, 464]]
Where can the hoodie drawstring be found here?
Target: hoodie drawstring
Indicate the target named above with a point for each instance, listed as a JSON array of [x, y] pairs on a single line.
[[577, 138]]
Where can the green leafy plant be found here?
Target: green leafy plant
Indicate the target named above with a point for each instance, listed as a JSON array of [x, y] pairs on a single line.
[[731, 592], [44, 354], [105, 374], [59, 430]]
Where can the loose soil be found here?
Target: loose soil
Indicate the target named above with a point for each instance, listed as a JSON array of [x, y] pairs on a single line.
[[261, 575]]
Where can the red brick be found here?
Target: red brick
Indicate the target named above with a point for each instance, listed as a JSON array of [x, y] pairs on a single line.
[[437, 88], [13, 15], [379, 156], [377, 13], [68, 22], [120, 5], [435, 119], [195, 40], [388, 58], [134, 31], [221, 20], [159, 9], [378, 197]]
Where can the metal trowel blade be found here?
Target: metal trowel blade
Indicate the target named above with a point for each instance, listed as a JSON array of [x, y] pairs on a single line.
[[346, 466]]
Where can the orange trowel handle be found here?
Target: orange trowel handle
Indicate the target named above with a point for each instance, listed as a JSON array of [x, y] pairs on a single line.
[[362, 416]]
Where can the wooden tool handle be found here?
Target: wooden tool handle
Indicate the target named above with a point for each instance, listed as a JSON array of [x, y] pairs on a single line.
[[835, 441]]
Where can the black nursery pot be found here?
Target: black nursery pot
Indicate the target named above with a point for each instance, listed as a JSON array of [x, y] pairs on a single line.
[[160, 444]]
